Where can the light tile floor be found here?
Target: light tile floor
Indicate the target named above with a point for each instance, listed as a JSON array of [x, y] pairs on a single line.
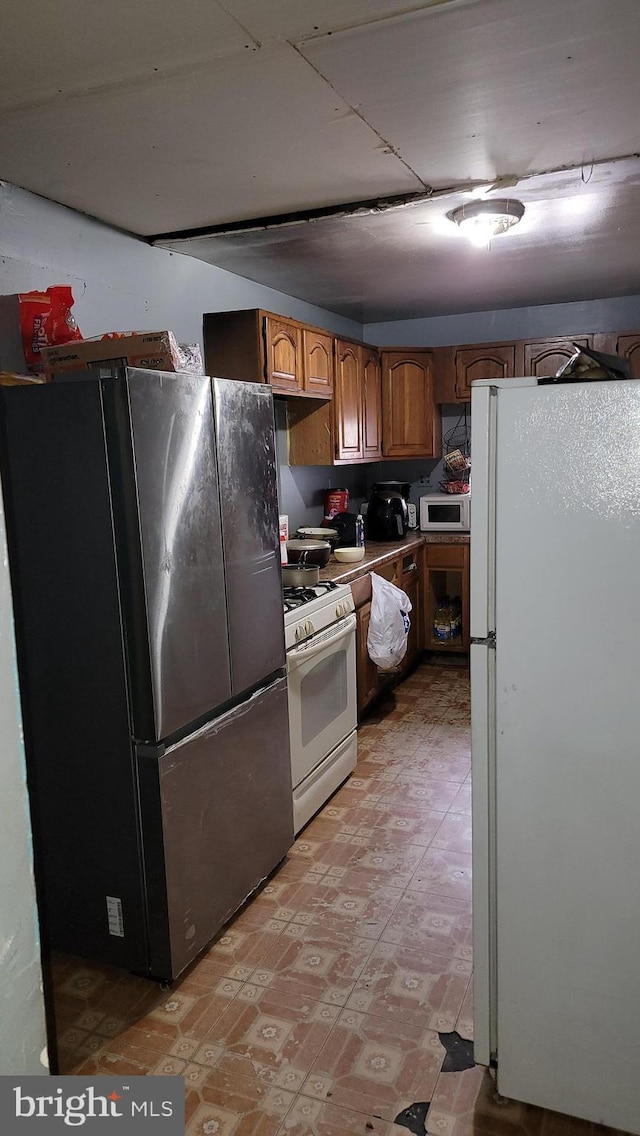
[[318, 1012]]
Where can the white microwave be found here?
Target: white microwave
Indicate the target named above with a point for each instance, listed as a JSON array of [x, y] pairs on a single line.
[[445, 511]]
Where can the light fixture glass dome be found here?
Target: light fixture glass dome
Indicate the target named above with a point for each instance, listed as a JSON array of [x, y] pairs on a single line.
[[482, 220]]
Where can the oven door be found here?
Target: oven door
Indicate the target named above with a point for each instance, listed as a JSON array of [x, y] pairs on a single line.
[[322, 695]]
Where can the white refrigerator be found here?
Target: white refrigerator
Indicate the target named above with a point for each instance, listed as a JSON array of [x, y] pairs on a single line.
[[555, 713]]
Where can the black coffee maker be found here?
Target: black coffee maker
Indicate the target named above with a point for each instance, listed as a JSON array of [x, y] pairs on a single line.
[[387, 515]]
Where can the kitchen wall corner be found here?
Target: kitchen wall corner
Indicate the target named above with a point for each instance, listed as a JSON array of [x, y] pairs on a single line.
[[301, 489]]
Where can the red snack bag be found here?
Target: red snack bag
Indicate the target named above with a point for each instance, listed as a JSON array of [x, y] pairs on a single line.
[[46, 321]]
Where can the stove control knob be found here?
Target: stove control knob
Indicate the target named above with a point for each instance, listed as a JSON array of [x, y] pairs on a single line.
[[310, 628], [342, 609]]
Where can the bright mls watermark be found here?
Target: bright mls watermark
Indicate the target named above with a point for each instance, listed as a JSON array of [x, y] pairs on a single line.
[[123, 1105]]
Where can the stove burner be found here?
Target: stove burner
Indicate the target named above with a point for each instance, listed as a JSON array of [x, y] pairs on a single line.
[[296, 597]]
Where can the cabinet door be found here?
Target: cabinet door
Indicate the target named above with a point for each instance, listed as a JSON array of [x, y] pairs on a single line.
[[408, 410], [411, 585], [283, 350], [545, 357], [629, 347], [482, 362], [317, 352], [348, 401], [367, 672], [371, 405]]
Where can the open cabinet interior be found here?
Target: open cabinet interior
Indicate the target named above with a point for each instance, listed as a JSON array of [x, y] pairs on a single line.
[[447, 598]]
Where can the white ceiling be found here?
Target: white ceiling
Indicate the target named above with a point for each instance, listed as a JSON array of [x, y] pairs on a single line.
[[173, 118]]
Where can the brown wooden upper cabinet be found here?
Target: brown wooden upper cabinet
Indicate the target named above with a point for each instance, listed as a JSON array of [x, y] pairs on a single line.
[[371, 404], [544, 358], [283, 346], [318, 362], [348, 429], [348, 401], [357, 403], [410, 420], [626, 345], [484, 361], [260, 347]]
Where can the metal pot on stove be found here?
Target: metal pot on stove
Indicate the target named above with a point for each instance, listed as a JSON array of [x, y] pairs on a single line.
[[305, 552], [387, 516], [299, 576]]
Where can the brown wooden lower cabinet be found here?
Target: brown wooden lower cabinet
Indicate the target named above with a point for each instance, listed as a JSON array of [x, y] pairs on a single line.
[[446, 574], [410, 583], [427, 574], [367, 671], [406, 573]]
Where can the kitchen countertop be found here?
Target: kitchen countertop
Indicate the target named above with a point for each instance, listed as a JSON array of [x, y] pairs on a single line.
[[377, 552]]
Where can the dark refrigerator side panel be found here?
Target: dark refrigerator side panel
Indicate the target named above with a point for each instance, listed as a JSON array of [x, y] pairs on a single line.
[[164, 450], [217, 816], [72, 672], [249, 503]]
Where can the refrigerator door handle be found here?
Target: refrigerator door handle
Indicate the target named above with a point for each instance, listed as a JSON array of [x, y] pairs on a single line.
[[484, 430]]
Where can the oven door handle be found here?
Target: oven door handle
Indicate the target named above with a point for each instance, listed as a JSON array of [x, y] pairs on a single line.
[[312, 647]]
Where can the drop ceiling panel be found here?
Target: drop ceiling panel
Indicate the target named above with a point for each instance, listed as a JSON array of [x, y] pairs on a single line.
[[482, 90], [244, 137], [576, 241], [57, 48]]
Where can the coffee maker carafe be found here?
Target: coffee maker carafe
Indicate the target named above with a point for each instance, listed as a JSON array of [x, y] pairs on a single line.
[[387, 516]]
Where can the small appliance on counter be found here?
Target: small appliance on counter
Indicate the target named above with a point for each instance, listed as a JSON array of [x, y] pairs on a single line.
[[387, 516], [445, 512], [346, 525]]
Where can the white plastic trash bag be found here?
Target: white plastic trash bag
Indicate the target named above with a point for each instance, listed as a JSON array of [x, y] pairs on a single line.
[[389, 624]]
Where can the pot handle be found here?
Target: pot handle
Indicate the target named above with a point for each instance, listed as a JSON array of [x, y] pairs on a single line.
[[302, 559]]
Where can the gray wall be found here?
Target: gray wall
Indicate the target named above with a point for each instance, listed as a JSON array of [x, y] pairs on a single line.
[[122, 284], [22, 1027], [302, 490], [621, 313]]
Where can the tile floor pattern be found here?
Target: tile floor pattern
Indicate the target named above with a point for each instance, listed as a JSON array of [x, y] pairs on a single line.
[[317, 1011]]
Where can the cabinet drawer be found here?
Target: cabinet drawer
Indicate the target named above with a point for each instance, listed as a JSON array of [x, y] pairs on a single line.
[[446, 555], [388, 571], [411, 564]]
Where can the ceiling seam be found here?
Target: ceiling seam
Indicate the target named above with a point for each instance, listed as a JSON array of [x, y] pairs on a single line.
[[392, 17], [389, 148], [420, 9], [381, 204], [245, 31]]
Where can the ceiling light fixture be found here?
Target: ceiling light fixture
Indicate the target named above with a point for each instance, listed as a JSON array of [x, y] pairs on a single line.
[[482, 220]]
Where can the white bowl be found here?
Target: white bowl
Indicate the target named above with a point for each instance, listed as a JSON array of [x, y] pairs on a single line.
[[349, 555]]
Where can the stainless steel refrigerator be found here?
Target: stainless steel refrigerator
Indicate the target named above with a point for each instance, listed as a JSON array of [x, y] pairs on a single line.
[[555, 709], [143, 537]]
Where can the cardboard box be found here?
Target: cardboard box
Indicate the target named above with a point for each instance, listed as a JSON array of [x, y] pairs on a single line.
[[152, 350]]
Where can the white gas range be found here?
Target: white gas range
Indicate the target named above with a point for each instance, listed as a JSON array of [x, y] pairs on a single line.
[[320, 636]]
